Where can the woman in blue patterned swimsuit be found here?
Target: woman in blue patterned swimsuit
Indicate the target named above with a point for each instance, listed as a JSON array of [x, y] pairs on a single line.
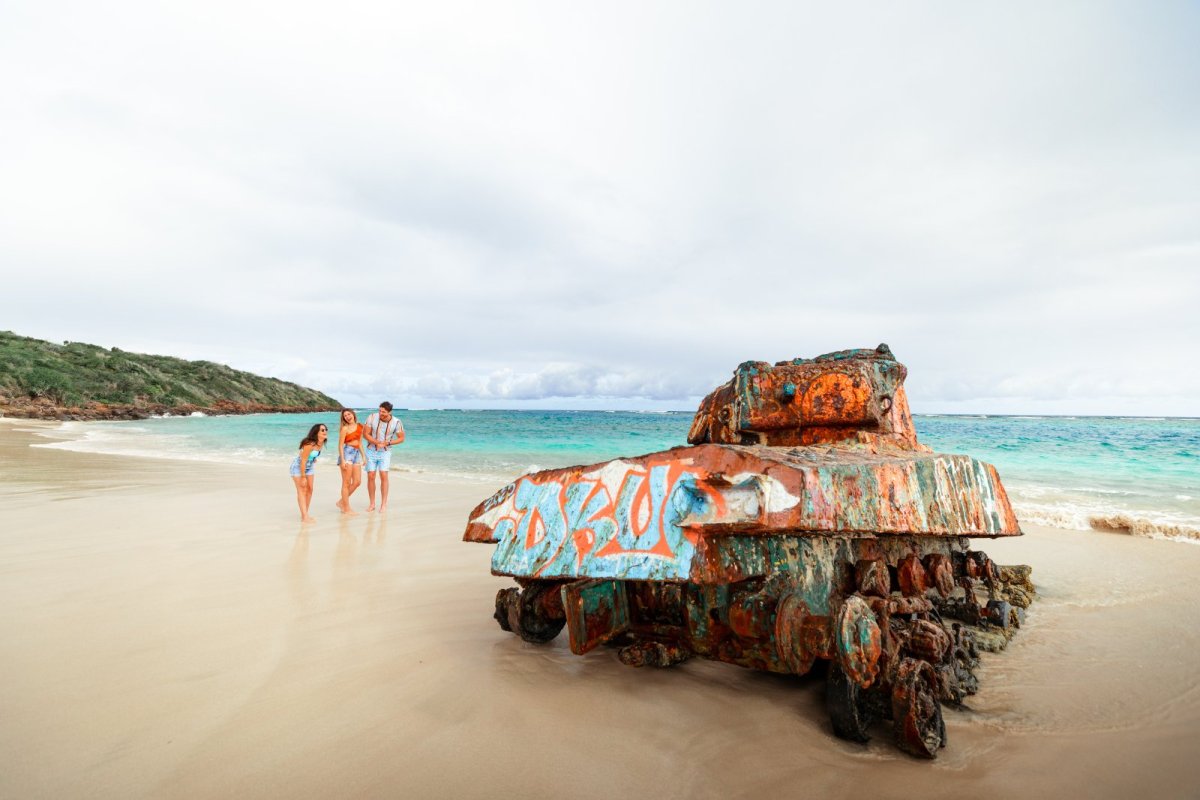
[[310, 449]]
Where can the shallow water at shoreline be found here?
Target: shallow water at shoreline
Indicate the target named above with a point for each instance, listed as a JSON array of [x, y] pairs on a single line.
[[1135, 475]]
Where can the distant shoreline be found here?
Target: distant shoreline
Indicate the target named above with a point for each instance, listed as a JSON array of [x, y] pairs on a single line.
[[127, 411]]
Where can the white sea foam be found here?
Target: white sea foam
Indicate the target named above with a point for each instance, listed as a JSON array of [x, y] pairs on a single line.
[[1042, 491], [122, 439], [1052, 516], [1140, 526], [1097, 490], [1073, 516], [252, 454], [434, 475], [1031, 490]]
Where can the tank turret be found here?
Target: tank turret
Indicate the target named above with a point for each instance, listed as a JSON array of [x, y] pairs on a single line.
[[850, 395]]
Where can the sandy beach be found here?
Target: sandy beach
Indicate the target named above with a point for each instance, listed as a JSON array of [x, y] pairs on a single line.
[[168, 629]]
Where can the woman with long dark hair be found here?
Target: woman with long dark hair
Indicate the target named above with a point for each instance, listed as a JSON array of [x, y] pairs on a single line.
[[302, 467], [351, 457]]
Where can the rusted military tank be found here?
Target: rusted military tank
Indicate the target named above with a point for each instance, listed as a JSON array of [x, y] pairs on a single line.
[[804, 523]]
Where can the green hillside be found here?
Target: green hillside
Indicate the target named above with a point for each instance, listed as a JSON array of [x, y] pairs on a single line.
[[73, 375]]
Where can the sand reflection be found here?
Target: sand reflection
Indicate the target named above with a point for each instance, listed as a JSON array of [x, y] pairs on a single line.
[[376, 532], [299, 578]]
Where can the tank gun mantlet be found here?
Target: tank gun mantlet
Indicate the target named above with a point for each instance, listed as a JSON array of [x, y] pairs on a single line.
[[833, 397]]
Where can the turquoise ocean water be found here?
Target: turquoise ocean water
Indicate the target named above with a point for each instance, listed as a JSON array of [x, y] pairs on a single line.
[[1070, 472]]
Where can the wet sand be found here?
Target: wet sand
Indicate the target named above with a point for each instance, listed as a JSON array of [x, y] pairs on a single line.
[[167, 629]]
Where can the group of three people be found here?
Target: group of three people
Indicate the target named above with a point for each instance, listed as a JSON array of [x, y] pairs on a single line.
[[382, 431]]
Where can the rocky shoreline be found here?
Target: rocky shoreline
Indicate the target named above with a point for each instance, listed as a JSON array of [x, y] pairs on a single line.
[[45, 409]]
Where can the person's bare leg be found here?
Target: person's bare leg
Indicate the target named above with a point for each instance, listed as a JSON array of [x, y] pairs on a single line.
[[303, 495], [383, 490], [348, 487], [309, 481], [371, 490], [355, 480], [344, 503]]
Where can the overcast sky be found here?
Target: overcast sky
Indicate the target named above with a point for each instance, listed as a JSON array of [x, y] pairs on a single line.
[[612, 205]]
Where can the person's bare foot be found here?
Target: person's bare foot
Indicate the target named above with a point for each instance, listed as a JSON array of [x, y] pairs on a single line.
[[308, 519], [349, 512], [382, 509], [370, 508]]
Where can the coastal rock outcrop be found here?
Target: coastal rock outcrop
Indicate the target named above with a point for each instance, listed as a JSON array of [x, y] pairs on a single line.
[[44, 408]]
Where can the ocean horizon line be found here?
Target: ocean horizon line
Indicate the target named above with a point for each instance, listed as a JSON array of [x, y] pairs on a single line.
[[962, 414]]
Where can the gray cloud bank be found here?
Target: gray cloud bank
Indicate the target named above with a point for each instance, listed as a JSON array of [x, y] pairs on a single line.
[[530, 204]]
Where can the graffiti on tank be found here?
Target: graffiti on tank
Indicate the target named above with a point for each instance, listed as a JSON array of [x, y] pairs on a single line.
[[622, 522]]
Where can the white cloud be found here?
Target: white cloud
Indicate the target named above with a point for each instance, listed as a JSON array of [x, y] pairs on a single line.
[[534, 203]]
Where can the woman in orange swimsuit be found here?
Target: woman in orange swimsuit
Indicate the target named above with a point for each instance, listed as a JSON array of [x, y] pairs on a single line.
[[351, 457]]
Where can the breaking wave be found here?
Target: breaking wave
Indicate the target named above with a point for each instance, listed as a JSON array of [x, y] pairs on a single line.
[[123, 439], [1078, 518], [1136, 526]]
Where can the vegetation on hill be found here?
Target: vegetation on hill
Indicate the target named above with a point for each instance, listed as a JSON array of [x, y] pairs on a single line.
[[35, 374]]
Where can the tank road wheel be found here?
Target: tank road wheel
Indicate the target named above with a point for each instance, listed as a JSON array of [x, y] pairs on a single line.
[[958, 676], [505, 598], [534, 613], [849, 708], [790, 644], [916, 712], [858, 640]]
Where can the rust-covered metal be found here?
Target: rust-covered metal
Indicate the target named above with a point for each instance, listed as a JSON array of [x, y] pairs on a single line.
[[850, 395], [597, 611], [804, 523]]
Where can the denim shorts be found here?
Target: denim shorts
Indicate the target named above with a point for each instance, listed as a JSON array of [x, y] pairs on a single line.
[[295, 468], [379, 459], [350, 455]]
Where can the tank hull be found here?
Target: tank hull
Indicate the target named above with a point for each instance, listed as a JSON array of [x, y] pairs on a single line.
[[692, 513]]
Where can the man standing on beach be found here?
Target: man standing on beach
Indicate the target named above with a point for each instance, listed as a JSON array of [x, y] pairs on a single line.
[[382, 432]]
